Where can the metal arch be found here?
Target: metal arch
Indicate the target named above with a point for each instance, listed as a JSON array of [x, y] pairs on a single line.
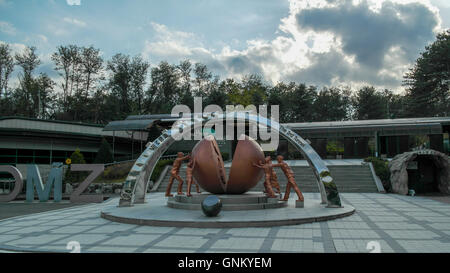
[[136, 184]]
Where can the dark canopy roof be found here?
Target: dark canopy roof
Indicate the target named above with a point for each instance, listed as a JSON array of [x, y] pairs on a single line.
[[130, 125], [384, 127]]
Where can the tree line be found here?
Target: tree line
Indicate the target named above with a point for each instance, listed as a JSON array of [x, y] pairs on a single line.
[[94, 90]]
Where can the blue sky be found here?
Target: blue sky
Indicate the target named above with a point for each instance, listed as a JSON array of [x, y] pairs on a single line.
[[323, 42]]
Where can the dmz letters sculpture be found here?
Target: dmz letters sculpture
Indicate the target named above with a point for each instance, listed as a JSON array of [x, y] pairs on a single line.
[[54, 180]]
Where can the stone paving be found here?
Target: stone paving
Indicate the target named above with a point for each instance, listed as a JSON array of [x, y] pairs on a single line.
[[395, 223]]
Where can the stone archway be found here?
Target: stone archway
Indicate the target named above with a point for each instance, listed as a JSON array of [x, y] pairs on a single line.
[[399, 173], [136, 184]]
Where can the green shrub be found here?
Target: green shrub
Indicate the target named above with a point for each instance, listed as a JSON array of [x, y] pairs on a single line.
[[381, 169], [334, 148], [225, 156], [117, 171], [76, 177], [104, 153], [159, 168]]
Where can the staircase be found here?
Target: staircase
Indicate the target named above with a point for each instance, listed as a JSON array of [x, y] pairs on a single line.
[[348, 178]]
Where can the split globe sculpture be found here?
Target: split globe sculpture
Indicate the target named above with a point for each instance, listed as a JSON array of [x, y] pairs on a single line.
[[208, 167]]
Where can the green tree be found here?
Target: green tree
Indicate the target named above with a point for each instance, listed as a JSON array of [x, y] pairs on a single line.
[[67, 61], [26, 96], [368, 103], [277, 95], [218, 95], [92, 65], [6, 67], [120, 82], [154, 133], [46, 98], [300, 101], [429, 80], [254, 88], [202, 78], [331, 104], [77, 157], [164, 92], [396, 106], [139, 71], [104, 153]]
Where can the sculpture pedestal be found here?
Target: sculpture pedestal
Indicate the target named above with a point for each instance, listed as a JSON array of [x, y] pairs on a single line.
[[240, 202], [156, 212]]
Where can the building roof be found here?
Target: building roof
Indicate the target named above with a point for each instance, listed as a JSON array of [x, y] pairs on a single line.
[[371, 122], [130, 125], [384, 127], [59, 127]]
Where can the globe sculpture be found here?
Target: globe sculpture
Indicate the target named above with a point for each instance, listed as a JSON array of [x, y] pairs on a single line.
[[211, 206], [210, 172]]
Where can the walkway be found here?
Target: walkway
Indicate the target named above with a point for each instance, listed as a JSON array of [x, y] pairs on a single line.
[[397, 223]]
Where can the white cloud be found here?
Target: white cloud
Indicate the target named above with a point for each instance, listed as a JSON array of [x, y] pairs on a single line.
[[15, 47], [170, 43], [74, 22], [322, 56], [7, 28], [73, 2], [43, 38]]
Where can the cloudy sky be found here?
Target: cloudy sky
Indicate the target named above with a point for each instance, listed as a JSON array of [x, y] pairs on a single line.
[[323, 42]]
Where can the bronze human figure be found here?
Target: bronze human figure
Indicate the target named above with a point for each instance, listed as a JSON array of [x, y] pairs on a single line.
[[189, 178], [267, 167], [290, 178], [174, 174], [274, 182]]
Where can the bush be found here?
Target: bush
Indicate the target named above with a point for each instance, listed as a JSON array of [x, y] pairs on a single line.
[[225, 156], [335, 148], [159, 168], [382, 170], [117, 171], [104, 153], [76, 177]]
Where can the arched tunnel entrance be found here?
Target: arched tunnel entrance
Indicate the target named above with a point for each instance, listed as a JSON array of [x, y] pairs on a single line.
[[423, 174], [424, 171]]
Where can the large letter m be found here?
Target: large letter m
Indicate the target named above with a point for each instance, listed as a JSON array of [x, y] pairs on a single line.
[[43, 191]]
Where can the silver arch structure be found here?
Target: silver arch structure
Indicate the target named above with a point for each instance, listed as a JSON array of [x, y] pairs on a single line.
[[136, 184]]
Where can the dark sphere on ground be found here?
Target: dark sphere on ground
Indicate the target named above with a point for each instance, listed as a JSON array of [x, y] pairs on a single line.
[[211, 206]]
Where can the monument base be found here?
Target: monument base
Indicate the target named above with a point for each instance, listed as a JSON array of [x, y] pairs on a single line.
[[246, 201], [299, 204], [156, 213]]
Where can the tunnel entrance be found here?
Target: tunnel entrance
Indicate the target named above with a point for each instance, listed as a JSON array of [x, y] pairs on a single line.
[[423, 174]]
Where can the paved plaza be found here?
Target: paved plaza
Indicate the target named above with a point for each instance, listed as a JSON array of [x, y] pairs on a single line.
[[397, 223]]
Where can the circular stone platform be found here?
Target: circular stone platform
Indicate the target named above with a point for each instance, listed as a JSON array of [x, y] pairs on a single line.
[[246, 201], [156, 213]]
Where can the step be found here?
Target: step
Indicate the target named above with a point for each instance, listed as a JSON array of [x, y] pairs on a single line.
[[248, 201], [347, 178]]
